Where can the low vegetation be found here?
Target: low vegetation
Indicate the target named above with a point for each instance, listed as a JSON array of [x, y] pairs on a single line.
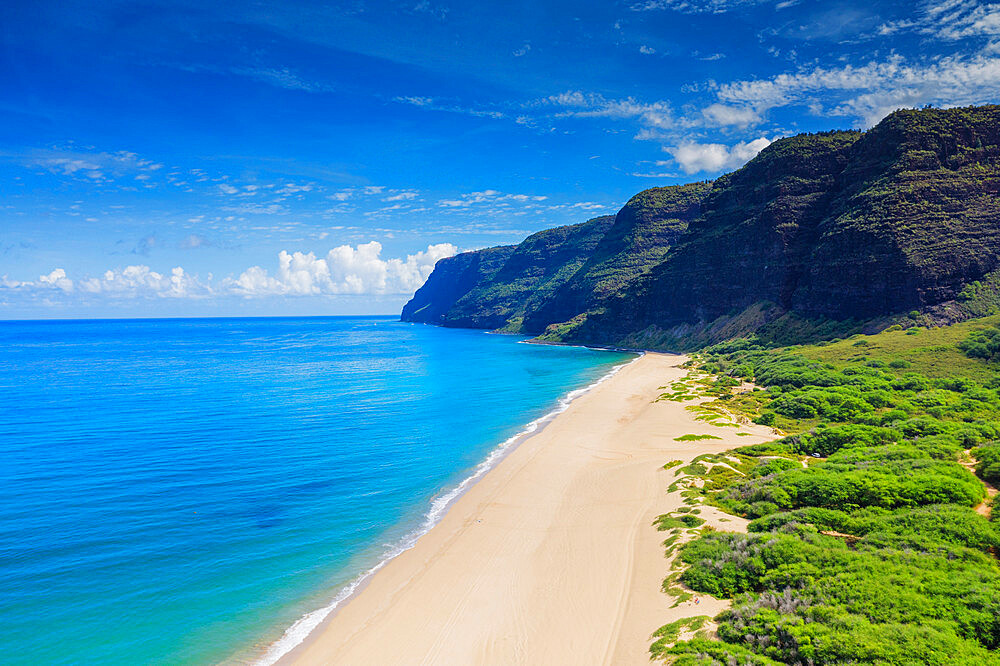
[[870, 540]]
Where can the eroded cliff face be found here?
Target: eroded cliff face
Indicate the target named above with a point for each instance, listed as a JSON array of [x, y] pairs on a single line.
[[837, 225], [452, 279], [916, 216], [643, 232]]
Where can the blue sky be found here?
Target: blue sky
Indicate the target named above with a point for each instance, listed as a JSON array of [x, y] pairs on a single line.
[[217, 158]]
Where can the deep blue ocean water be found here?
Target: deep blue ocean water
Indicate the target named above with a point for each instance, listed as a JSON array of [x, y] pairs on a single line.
[[183, 491]]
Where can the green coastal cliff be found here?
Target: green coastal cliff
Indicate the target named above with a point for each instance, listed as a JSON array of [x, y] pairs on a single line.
[[819, 235]]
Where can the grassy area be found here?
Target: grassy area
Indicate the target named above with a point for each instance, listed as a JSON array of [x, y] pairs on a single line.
[[868, 541], [932, 352]]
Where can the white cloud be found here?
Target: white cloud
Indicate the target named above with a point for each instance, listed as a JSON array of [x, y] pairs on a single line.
[[91, 165], [193, 241], [293, 188], [949, 19], [646, 50], [492, 197], [279, 77], [402, 195], [714, 157], [871, 91], [342, 195], [142, 281], [130, 282], [344, 270], [432, 104], [56, 279], [415, 100], [721, 115], [437, 11], [658, 174], [593, 105], [693, 6]]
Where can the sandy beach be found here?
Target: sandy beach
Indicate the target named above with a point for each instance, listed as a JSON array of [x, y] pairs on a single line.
[[551, 558]]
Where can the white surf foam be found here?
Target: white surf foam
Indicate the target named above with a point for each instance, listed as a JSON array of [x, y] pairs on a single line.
[[298, 632]]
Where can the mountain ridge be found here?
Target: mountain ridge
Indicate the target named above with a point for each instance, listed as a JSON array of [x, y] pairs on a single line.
[[819, 234]]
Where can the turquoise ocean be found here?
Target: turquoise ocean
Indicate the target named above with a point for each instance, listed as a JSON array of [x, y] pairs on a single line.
[[196, 491]]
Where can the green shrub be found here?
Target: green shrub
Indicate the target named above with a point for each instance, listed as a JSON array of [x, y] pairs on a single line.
[[766, 418], [988, 462], [871, 553], [984, 344], [831, 440]]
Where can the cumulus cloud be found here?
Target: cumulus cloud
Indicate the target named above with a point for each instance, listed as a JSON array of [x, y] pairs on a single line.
[[56, 279], [714, 157], [344, 270], [140, 280], [132, 281]]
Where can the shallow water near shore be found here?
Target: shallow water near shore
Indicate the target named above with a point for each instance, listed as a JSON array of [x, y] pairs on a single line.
[[183, 491]]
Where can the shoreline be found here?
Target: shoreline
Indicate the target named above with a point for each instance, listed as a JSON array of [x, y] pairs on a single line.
[[306, 628], [546, 550]]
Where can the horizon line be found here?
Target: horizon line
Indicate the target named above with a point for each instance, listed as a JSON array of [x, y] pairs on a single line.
[[182, 318]]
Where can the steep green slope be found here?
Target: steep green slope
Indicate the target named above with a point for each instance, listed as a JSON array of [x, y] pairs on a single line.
[[493, 288], [534, 271], [817, 234], [558, 273], [453, 278]]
